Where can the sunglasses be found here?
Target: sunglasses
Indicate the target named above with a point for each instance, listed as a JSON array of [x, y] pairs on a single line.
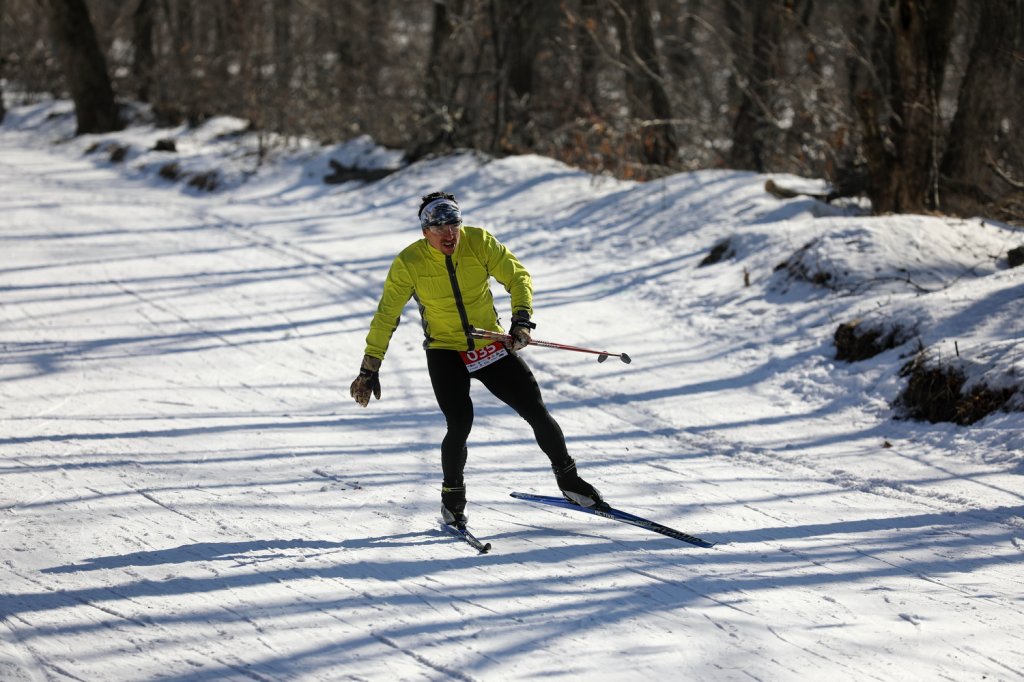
[[441, 229]]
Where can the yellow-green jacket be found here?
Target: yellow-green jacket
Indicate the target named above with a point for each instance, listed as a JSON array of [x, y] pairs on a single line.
[[450, 301]]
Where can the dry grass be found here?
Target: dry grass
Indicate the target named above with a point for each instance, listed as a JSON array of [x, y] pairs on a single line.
[[934, 393]]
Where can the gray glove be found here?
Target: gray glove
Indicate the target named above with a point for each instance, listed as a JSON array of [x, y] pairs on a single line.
[[520, 331], [367, 382]]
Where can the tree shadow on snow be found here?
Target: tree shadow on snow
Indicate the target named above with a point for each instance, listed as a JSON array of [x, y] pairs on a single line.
[[251, 551]]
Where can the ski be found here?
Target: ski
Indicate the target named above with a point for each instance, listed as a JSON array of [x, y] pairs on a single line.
[[482, 547], [616, 515]]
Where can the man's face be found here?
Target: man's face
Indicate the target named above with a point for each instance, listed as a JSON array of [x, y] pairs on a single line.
[[444, 238]]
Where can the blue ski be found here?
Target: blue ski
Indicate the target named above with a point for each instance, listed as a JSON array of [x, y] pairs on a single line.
[[482, 547], [616, 515]]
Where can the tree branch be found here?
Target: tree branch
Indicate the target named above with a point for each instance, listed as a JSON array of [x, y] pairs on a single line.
[[998, 170]]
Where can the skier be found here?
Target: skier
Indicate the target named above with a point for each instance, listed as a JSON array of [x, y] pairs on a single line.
[[449, 271]]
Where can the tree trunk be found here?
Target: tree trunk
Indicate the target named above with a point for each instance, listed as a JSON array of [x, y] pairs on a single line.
[[282, 11], [988, 122], [687, 67], [756, 55], [3, 63], [85, 68], [517, 30], [898, 104], [586, 41], [378, 39], [524, 27], [144, 60], [438, 116], [644, 83], [284, 67], [440, 79]]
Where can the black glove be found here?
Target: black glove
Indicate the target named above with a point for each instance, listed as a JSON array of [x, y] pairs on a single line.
[[367, 382], [520, 331]]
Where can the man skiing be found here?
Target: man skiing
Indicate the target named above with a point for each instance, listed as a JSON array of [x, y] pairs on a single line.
[[449, 272]]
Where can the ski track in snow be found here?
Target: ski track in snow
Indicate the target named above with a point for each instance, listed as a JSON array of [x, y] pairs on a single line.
[[188, 493]]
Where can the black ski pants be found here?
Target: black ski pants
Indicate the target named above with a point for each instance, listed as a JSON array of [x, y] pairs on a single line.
[[512, 382]]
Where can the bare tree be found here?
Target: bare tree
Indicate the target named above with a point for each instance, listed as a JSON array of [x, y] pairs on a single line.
[[439, 82], [757, 33], [85, 67], [3, 62], [585, 26], [896, 96], [888, 90], [439, 111], [283, 33], [144, 60], [517, 28], [983, 160], [645, 86]]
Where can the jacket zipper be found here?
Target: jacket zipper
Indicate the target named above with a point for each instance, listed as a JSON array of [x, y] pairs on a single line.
[[458, 302]]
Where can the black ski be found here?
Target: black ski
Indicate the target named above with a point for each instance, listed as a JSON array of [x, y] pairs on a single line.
[[616, 515], [482, 547]]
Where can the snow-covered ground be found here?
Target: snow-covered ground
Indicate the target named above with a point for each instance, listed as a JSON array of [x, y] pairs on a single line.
[[187, 492]]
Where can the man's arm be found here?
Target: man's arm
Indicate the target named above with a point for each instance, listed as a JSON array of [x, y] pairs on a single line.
[[398, 289], [506, 268]]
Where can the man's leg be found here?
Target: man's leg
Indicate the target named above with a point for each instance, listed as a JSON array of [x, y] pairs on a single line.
[[512, 382], [450, 381]]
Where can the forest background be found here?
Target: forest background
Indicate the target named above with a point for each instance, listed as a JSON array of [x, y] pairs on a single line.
[[909, 102]]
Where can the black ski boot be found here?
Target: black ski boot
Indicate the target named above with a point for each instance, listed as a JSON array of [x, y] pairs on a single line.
[[576, 490], [453, 505]]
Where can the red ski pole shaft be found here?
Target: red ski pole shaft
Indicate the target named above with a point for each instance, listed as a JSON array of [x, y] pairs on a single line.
[[505, 338]]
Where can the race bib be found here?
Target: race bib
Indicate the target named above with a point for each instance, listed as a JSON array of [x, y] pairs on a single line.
[[481, 357]]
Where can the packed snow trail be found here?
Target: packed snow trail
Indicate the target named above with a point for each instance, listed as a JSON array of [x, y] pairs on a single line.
[[187, 492]]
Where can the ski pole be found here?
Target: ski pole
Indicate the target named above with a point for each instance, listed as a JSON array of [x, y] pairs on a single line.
[[602, 355]]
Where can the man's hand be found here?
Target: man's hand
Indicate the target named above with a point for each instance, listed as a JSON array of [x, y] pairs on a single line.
[[367, 382], [520, 331]]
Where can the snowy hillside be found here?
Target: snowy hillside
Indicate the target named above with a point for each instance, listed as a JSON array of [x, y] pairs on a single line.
[[187, 492]]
